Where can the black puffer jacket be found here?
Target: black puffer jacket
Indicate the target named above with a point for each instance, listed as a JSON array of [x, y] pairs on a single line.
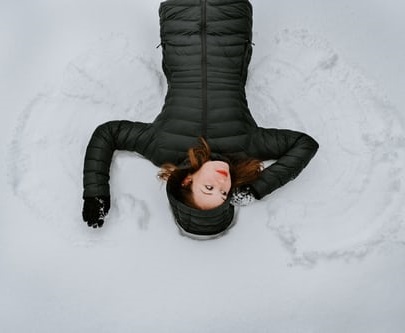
[[206, 51]]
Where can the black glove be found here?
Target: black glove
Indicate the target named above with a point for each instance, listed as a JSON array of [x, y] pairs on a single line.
[[243, 196], [94, 210]]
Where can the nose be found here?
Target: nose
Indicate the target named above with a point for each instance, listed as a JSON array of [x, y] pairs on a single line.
[[221, 180]]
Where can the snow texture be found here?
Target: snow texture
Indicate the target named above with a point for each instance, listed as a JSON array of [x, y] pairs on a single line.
[[325, 253]]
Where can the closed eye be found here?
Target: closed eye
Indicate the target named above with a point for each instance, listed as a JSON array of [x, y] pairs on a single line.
[[209, 188]]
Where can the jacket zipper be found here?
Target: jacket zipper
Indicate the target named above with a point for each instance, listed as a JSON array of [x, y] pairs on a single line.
[[204, 83], [248, 46]]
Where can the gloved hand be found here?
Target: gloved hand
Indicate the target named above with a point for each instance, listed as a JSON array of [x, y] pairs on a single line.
[[243, 196], [95, 209]]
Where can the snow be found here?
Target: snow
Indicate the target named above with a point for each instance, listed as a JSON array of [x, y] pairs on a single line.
[[325, 253]]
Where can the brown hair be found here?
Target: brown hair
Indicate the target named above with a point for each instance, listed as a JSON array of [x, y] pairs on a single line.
[[242, 172]]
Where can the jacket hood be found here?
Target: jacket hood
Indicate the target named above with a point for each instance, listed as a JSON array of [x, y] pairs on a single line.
[[201, 222]]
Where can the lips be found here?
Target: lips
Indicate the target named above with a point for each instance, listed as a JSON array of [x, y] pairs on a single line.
[[223, 172]]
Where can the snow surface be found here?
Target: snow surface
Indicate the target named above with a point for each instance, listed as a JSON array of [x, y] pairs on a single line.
[[326, 253]]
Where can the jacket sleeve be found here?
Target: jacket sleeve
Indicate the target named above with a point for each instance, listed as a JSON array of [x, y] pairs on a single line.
[[108, 137], [292, 151]]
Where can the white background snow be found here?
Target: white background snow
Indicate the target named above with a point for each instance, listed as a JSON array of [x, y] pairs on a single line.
[[326, 253]]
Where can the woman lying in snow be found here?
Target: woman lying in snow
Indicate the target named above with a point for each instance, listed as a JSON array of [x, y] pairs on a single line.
[[205, 140]]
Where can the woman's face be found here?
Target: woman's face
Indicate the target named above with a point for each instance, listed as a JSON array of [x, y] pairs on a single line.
[[211, 184]]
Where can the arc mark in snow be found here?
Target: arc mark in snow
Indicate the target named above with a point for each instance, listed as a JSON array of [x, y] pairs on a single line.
[[348, 202]]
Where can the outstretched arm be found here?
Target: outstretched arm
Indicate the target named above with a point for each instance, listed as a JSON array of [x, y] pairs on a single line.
[[108, 137], [292, 151]]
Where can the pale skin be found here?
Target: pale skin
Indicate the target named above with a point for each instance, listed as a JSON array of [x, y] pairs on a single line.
[[210, 185]]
